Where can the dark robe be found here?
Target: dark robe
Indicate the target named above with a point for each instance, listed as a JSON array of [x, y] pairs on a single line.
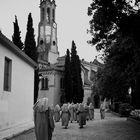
[[82, 118], [91, 112], [75, 114], [81, 115], [71, 110], [56, 114], [44, 124], [65, 116]]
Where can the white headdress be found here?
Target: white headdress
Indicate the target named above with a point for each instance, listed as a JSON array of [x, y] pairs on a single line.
[[41, 105]]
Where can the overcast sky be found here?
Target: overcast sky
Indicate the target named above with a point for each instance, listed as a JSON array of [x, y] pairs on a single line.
[[71, 18]]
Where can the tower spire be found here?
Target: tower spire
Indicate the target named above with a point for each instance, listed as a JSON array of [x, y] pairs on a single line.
[[47, 37], [45, 0]]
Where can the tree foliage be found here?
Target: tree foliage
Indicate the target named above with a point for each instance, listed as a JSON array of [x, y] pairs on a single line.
[[109, 18], [119, 71], [67, 78], [77, 87], [30, 43], [115, 28], [80, 83], [16, 35]]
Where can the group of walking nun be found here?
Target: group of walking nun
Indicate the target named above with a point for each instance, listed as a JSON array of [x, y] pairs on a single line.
[[45, 116], [74, 112]]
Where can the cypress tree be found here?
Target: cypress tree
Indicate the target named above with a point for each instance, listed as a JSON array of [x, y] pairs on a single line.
[[74, 72], [80, 83], [67, 78], [77, 89], [30, 44], [31, 50], [16, 35]]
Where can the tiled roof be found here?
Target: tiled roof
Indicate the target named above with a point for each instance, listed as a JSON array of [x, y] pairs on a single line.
[[52, 67], [96, 62]]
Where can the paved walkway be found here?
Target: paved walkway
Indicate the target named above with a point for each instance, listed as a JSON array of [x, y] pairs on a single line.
[[111, 128]]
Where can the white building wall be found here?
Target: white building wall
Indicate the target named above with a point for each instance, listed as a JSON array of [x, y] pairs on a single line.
[[90, 67], [57, 89], [87, 93], [52, 57], [16, 107], [53, 92]]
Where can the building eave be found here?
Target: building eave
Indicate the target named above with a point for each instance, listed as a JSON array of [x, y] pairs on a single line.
[[52, 68], [94, 63], [12, 47]]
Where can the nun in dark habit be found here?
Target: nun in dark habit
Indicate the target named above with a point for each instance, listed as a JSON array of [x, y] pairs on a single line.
[[43, 120]]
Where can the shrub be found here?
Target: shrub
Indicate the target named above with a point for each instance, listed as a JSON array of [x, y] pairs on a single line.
[[115, 106], [135, 113], [125, 109]]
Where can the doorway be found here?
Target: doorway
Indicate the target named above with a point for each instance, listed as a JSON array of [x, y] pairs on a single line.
[[96, 101]]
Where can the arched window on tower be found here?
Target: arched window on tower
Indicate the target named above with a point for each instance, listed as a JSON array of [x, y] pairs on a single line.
[[54, 43], [53, 13], [42, 13], [48, 14], [44, 84]]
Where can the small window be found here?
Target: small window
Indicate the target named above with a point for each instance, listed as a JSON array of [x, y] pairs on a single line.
[[48, 14], [7, 74], [62, 83], [54, 43], [41, 42], [44, 83], [53, 14], [42, 13]]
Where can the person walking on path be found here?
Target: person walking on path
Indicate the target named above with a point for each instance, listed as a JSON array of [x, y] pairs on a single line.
[[52, 109], [77, 115], [65, 116], [57, 113], [43, 120], [75, 112], [91, 111], [86, 111], [71, 110], [81, 113], [102, 110]]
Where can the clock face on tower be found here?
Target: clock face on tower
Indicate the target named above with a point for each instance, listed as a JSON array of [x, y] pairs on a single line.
[[48, 38], [47, 30]]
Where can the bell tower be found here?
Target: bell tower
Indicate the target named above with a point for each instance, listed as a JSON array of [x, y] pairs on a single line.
[[47, 33]]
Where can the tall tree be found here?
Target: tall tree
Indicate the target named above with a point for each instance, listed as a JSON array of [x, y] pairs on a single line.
[[30, 43], [115, 28], [16, 35], [77, 89], [109, 18], [67, 78], [74, 72], [31, 50], [80, 83]]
